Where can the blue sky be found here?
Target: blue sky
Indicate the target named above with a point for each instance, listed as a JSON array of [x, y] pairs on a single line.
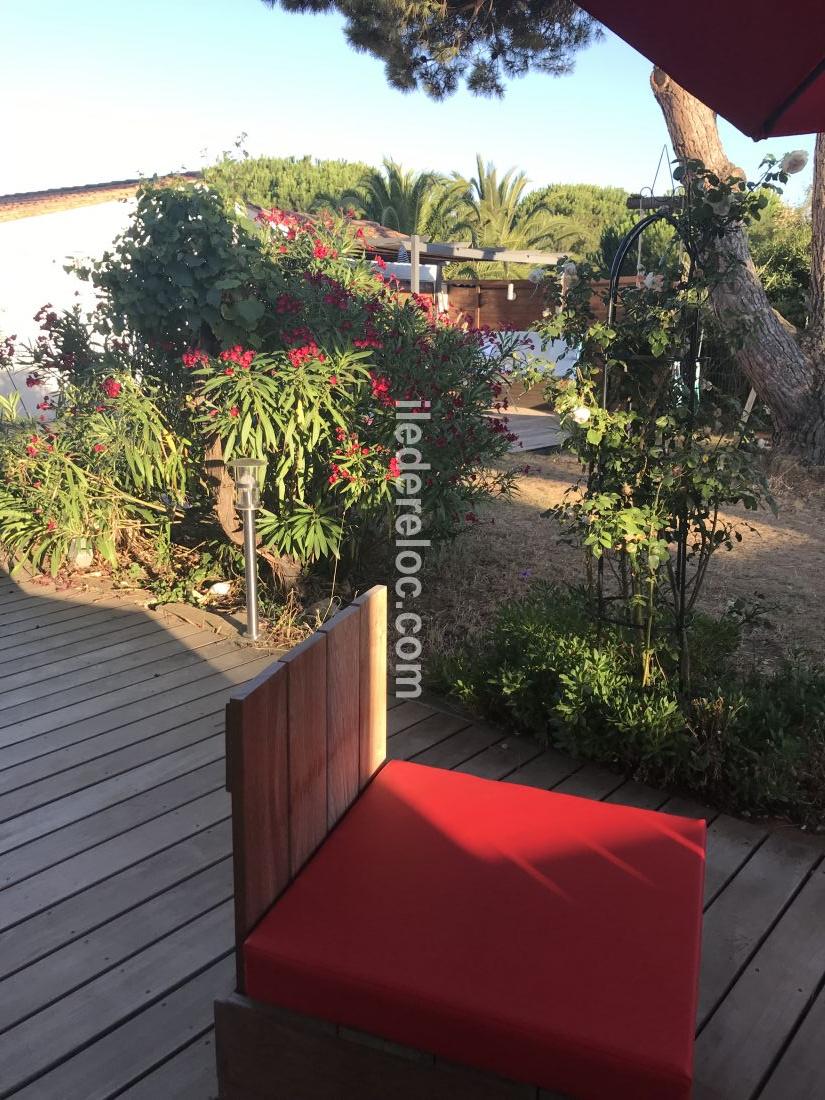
[[96, 90]]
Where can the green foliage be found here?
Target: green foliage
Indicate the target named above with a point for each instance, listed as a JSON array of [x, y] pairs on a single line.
[[573, 217], [434, 46], [411, 202], [500, 213], [659, 248], [185, 267], [627, 670], [754, 744], [295, 353], [780, 242], [63, 486], [291, 183], [662, 457], [581, 212]]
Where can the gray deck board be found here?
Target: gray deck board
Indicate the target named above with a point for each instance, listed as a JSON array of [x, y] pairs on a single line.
[[115, 869]]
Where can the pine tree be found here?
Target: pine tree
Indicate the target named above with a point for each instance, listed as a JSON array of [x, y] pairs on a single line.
[[434, 44]]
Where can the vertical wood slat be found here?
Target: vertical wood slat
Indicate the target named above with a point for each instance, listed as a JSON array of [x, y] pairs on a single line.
[[303, 739], [257, 771], [343, 634], [306, 668], [373, 677]]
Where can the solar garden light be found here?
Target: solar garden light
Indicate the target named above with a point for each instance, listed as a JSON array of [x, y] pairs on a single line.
[[248, 473]]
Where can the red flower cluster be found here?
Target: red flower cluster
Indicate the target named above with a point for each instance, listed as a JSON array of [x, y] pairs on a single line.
[[285, 303], [322, 252], [99, 448], [33, 380], [379, 261], [234, 411], [193, 357], [333, 379], [298, 335], [339, 474], [7, 349], [287, 223], [239, 356], [380, 388], [424, 303], [370, 339], [46, 317], [336, 296], [393, 469], [111, 387], [298, 357]]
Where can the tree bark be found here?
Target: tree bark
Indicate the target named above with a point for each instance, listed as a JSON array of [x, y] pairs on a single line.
[[784, 366], [815, 334]]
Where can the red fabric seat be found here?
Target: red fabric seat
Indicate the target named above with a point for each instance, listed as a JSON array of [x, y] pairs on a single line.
[[550, 939]]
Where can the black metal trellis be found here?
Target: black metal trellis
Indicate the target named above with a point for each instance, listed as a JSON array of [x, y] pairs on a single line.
[[692, 353]]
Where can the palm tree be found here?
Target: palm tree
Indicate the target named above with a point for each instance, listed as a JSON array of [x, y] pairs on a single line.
[[500, 214], [410, 202]]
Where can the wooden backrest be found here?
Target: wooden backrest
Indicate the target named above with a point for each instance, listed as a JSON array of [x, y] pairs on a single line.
[[302, 740]]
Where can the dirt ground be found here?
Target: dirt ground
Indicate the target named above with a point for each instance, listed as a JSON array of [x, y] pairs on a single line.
[[779, 566]]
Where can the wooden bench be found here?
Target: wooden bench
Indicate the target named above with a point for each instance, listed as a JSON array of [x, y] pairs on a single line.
[[406, 932]]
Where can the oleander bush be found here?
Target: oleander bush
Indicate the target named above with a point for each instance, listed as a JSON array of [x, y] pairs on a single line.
[[215, 338]]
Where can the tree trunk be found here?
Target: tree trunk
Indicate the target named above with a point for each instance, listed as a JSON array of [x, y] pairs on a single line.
[[785, 367]]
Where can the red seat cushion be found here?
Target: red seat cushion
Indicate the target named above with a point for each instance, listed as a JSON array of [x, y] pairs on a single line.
[[550, 939]]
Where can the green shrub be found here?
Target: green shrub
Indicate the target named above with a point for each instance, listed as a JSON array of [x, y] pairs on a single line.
[[293, 183], [753, 743], [216, 337]]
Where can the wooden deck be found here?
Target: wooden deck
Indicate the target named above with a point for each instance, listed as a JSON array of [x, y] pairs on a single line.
[[115, 876]]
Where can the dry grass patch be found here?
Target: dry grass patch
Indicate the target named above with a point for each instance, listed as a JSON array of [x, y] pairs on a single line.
[[780, 565]]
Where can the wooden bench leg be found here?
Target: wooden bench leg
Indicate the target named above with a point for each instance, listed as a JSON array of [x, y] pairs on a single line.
[[267, 1053]]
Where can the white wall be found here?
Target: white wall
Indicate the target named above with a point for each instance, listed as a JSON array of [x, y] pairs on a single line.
[[33, 251]]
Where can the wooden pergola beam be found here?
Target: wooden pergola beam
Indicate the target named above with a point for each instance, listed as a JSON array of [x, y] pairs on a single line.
[[435, 251]]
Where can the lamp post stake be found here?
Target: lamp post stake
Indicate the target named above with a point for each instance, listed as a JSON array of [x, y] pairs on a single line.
[[247, 472], [250, 558]]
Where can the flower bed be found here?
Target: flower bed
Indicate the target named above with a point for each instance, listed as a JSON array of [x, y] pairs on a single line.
[[215, 338]]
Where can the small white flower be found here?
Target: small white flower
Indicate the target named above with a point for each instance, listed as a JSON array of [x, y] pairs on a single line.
[[581, 414], [793, 162]]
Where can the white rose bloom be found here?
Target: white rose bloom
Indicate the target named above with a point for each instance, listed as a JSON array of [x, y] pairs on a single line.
[[569, 268], [581, 414], [654, 281], [794, 161]]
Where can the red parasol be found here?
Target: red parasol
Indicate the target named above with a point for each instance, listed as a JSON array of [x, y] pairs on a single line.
[[760, 65]]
